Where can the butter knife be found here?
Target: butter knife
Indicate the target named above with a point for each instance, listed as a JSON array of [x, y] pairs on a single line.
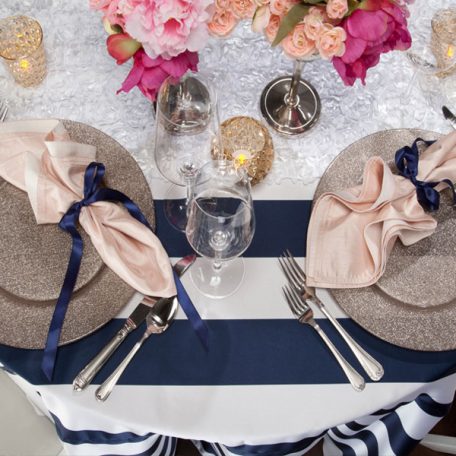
[[449, 116], [138, 315]]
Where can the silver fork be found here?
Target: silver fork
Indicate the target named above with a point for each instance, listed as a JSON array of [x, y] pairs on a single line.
[[297, 278], [304, 314], [3, 110]]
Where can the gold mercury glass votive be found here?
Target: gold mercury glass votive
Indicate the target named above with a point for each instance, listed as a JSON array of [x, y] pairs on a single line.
[[443, 41], [21, 46], [248, 143]]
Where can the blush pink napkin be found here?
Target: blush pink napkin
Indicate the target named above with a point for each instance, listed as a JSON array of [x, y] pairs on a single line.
[[352, 232], [40, 158]]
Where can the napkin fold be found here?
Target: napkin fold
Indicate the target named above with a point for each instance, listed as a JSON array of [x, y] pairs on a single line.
[[40, 158], [352, 232]]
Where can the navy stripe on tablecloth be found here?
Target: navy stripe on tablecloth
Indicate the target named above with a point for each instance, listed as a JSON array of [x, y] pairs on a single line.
[[242, 352], [279, 225], [398, 439], [95, 436]]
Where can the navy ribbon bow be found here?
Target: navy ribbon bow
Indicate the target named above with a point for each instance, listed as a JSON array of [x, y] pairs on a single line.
[[92, 193], [407, 160]]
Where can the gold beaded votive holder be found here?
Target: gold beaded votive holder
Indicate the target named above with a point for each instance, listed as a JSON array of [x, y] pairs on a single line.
[[443, 41], [22, 50], [248, 143]]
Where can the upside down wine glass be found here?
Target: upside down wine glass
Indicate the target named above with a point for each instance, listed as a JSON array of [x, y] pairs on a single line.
[[221, 224], [186, 131]]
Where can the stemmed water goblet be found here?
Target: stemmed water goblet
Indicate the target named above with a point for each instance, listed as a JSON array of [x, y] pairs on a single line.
[[221, 224], [186, 131]]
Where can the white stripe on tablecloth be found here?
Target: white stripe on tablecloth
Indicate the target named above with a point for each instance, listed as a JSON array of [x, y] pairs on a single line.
[[258, 271], [287, 190], [225, 413]]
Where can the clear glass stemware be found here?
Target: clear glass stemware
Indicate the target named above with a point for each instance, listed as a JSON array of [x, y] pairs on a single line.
[[186, 131], [221, 224]]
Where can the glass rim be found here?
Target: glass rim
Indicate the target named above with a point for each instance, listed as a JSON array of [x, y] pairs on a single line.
[[434, 24], [244, 208], [34, 49]]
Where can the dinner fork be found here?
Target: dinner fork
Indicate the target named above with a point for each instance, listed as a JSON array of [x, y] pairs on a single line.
[[304, 314], [3, 110], [297, 278]]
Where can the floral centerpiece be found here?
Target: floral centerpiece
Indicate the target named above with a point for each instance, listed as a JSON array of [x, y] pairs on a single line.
[[162, 36], [351, 33]]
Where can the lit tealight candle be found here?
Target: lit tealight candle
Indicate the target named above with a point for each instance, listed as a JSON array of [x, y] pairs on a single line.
[[21, 46], [241, 158]]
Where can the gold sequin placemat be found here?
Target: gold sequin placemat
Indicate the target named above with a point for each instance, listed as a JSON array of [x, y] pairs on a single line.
[[34, 258], [413, 305]]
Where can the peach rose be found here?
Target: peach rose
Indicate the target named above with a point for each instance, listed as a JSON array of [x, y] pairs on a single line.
[[297, 45], [222, 4], [336, 9], [261, 18], [331, 42], [222, 23], [243, 9], [272, 28], [313, 23], [281, 7], [262, 2]]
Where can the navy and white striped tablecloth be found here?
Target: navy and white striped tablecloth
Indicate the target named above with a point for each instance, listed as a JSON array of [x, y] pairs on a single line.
[[267, 385]]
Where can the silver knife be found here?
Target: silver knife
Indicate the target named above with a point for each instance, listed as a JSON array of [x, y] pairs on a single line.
[[138, 315], [449, 116]]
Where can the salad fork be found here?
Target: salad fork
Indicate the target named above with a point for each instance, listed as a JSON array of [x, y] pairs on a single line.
[[297, 278], [304, 314]]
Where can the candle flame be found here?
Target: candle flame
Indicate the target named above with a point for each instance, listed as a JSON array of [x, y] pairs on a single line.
[[241, 158], [450, 52], [24, 64]]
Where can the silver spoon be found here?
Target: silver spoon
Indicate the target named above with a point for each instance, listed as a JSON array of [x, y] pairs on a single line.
[[158, 320], [449, 116]]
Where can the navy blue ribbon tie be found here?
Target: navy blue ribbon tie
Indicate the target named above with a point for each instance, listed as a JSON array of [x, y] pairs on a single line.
[[93, 192], [407, 160]]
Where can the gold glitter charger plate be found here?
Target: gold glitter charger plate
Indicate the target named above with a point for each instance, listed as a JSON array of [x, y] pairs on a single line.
[[413, 305], [34, 258]]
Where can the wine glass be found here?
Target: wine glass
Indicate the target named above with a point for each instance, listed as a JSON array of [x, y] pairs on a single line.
[[430, 54], [186, 130], [221, 224]]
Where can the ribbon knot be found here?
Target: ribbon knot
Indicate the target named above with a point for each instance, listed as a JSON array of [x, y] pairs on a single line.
[[93, 192], [406, 160]]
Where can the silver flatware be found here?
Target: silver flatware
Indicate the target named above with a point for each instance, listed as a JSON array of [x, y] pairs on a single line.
[[158, 320], [135, 319], [304, 314], [449, 116], [3, 110], [297, 278]]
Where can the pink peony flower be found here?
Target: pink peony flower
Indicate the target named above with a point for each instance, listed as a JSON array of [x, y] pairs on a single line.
[[330, 42], [167, 28], [377, 27], [337, 9], [297, 45], [222, 23], [110, 10], [148, 74]]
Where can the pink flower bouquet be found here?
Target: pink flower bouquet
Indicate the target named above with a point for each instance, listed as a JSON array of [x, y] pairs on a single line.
[[350, 33], [163, 37]]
